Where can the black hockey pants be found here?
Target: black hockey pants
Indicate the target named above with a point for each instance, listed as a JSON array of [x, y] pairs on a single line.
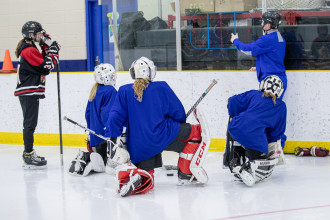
[[30, 108]]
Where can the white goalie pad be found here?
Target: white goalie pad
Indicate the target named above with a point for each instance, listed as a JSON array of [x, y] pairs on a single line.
[[275, 150], [120, 157], [199, 157]]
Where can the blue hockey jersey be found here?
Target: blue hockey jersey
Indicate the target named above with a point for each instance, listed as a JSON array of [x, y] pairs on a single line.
[[270, 52], [151, 124], [256, 120], [97, 111]]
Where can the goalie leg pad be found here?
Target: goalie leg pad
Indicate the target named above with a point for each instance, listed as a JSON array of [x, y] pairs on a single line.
[[200, 154], [133, 180], [97, 163], [275, 150], [195, 133], [255, 171], [186, 156], [80, 165]]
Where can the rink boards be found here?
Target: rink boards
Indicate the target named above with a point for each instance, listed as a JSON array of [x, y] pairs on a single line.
[[307, 102]]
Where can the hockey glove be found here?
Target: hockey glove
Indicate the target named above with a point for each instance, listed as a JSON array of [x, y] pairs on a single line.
[[319, 151], [300, 151], [54, 48], [54, 58]]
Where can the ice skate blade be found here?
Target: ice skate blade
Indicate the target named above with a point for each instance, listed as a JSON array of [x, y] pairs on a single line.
[[33, 167], [188, 182]]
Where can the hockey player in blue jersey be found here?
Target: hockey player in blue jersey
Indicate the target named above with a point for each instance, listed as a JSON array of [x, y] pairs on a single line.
[[269, 49], [156, 121], [258, 120], [100, 101]]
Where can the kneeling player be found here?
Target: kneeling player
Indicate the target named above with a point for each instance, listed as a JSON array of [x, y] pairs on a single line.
[[100, 101], [155, 121], [258, 120]]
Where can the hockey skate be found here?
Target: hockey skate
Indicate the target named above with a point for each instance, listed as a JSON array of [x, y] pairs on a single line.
[[187, 179], [33, 161]]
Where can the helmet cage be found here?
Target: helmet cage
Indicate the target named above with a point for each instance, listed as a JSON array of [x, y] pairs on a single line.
[[143, 68], [105, 74]]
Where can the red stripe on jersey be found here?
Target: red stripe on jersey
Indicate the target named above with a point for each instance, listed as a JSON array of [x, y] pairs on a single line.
[[28, 91], [32, 56]]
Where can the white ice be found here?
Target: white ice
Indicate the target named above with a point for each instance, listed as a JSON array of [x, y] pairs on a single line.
[[298, 190]]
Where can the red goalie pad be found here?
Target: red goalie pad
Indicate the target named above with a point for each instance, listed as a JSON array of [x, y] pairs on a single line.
[[127, 171]]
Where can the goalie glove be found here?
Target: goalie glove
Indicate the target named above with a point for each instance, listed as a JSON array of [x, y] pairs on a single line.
[[319, 151]]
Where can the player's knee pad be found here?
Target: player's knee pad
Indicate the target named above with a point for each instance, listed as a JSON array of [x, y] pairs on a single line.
[[132, 180]]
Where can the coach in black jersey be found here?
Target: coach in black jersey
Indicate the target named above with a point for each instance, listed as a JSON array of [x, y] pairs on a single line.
[[31, 75]]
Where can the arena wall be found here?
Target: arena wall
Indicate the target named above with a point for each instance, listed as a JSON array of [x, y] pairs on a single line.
[[308, 105]]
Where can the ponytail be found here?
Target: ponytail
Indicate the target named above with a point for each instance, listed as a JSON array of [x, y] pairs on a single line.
[[19, 47], [139, 86], [269, 95], [93, 92]]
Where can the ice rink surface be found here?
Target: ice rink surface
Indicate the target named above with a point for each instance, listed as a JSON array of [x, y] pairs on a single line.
[[298, 190]]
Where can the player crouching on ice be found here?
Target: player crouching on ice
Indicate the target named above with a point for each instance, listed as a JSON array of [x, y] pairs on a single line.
[[253, 139], [156, 121], [101, 99]]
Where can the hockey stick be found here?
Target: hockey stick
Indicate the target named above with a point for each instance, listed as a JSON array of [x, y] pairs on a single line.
[[86, 129], [116, 43], [174, 167], [201, 97], [59, 110]]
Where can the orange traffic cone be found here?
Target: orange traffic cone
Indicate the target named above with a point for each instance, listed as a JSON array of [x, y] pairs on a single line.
[[7, 66]]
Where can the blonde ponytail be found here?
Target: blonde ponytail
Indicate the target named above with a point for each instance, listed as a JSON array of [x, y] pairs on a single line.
[[93, 92], [139, 86], [269, 95]]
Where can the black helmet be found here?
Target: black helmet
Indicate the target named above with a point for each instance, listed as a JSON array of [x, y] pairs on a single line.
[[271, 17], [31, 27]]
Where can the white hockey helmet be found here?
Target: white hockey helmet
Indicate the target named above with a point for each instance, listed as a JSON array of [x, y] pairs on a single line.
[[272, 84], [105, 74], [143, 68]]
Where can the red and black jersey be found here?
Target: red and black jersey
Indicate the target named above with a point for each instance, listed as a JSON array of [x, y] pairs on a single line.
[[31, 71]]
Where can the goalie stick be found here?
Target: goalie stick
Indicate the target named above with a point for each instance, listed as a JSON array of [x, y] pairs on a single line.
[[201, 97], [86, 129], [174, 167]]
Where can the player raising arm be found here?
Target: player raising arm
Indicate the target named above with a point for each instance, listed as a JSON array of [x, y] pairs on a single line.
[[269, 49]]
